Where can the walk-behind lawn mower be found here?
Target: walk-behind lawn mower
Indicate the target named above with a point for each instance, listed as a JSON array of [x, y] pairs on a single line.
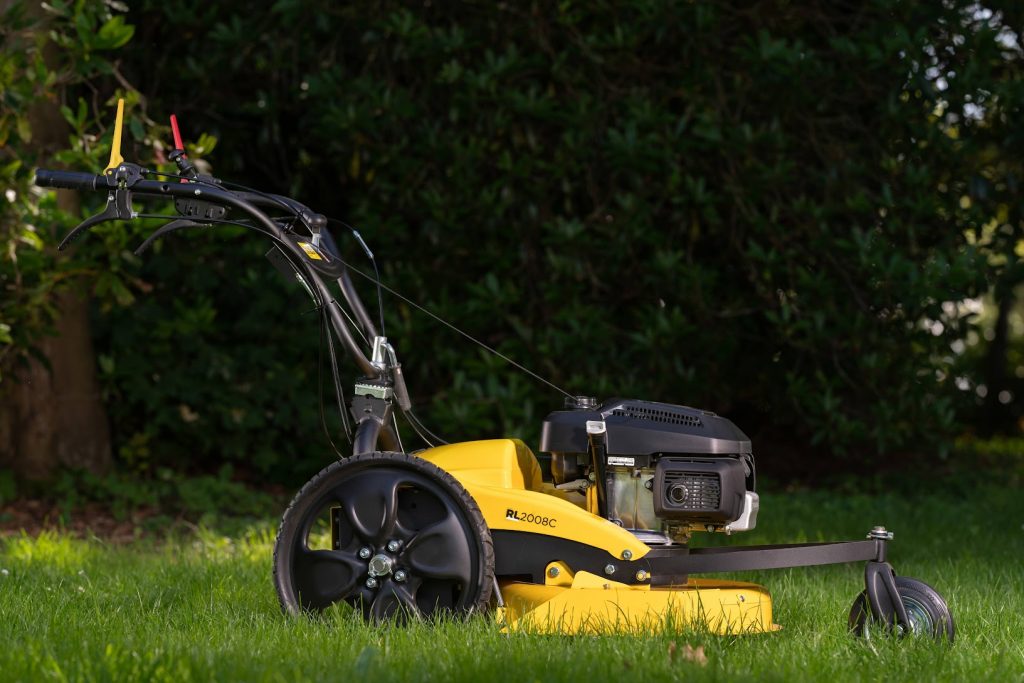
[[603, 546]]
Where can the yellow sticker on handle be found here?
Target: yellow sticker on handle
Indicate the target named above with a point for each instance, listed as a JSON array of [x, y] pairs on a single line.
[[311, 251]]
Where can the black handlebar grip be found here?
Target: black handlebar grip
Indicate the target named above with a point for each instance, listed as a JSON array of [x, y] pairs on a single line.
[[68, 180]]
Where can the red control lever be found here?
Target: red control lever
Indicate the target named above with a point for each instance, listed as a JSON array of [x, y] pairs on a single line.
[[178, 144], [178, 154]]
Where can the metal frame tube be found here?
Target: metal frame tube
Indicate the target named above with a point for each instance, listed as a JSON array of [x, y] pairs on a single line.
[[367, 432], [348, 290]]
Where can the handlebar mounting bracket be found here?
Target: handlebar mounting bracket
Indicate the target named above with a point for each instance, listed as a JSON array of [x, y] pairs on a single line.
[[119, 200], [198, 209]]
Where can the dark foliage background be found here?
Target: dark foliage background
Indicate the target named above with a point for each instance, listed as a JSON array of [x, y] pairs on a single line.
[[775, 211]]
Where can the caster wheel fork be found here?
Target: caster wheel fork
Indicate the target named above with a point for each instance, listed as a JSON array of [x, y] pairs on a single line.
[[904, 606]]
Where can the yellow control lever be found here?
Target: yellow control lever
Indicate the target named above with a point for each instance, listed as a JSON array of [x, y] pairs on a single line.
[[115, 148]]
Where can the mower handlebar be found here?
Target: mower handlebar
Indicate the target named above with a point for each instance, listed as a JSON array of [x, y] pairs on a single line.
[[75, 180], [249, 203]]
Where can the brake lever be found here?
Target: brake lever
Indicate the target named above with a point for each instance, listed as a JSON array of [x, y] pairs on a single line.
[[166, 228], [119, 201]]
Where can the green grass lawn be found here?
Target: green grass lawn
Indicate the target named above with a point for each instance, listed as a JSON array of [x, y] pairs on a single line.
[[203, 608]]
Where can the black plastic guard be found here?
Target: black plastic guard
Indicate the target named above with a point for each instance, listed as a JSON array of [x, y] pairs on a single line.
[[525, 556]]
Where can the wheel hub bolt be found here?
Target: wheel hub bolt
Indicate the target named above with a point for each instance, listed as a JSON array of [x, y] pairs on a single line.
[[393, 546], [371, 582], [380, 565], [400, 575], [365, 553]]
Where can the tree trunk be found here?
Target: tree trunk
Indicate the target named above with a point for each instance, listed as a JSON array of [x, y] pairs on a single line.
[[996, 417], [51, 414], [54, 415]]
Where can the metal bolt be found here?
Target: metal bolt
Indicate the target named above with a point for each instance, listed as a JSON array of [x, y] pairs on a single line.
[[641, 575], [627, 555], [649, 484], [365, 553], [400, 575], [380, 565], [371, 582], [393, 546], [553, 572], [880, 534], [609, 569]]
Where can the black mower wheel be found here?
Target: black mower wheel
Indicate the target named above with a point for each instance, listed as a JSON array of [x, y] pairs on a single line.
[[408, 541], [928, 612]]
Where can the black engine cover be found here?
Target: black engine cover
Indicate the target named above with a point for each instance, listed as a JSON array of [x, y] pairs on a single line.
[[644, 428], [704, 490]]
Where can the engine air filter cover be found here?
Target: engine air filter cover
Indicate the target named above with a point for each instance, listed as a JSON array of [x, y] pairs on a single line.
[[702, 490], [637, 427]]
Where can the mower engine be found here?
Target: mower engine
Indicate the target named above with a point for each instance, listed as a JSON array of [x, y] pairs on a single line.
[[661, 471]]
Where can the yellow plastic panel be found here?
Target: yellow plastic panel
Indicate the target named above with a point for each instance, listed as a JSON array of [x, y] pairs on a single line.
[[496, 473], [512, 510], [594, 605], [496, 462]]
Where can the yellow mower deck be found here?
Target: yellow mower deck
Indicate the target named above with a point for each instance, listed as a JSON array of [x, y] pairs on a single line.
[[504, 478], [592, 604]]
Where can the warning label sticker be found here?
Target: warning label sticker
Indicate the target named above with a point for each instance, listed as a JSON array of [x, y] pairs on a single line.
[[311, 251]]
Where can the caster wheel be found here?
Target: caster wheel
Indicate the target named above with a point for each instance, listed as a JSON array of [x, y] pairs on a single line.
[[928, 613], [406, 541]]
